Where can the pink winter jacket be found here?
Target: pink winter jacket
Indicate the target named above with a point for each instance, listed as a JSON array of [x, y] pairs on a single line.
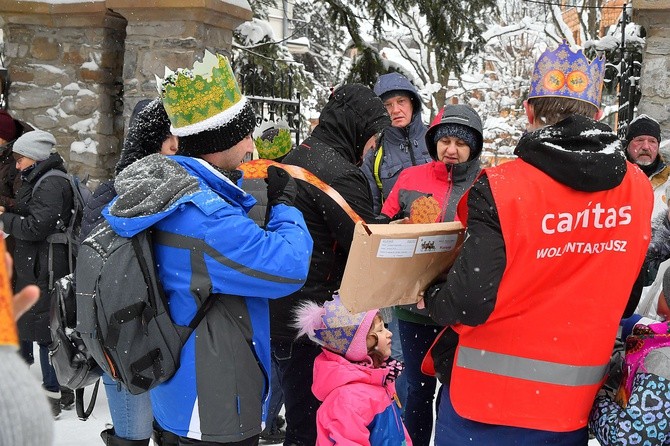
[[358, 407]]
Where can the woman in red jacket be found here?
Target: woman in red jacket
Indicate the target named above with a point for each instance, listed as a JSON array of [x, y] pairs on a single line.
[[427, 194]]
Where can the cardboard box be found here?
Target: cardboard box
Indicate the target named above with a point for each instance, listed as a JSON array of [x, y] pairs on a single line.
[[390, 264]]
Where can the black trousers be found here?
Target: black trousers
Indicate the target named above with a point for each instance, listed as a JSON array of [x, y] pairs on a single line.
[[295, 364], [183, 441]]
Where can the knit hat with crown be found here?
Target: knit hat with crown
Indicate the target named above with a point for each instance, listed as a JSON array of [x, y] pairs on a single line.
[[334, 328], [206, 108]]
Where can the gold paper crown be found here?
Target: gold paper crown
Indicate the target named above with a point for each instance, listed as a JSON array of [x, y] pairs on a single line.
[[203, 98], [569, 74]]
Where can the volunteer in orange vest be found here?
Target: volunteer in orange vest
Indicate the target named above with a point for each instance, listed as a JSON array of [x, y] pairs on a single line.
[[555, 240]]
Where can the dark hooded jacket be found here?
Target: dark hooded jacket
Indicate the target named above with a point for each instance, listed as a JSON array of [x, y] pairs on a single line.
[[352, 115], [400, 147], [37, 214], [578, 152]]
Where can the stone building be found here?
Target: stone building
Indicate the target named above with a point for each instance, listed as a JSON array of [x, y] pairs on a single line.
[[77, 69], [654, 16]]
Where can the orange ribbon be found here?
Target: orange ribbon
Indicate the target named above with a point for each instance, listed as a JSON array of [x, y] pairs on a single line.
[[258, 169], [8, 335]]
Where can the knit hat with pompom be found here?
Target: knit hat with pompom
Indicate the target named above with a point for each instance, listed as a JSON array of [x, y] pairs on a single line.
[[334, 328]]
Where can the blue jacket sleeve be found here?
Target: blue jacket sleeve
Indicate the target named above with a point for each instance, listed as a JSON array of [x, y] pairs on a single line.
[[271, 262]]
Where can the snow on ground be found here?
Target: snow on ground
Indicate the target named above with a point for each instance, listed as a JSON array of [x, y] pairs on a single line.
[[71, 431]]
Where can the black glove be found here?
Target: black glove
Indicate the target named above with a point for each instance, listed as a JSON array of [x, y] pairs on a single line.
[[282, 188]]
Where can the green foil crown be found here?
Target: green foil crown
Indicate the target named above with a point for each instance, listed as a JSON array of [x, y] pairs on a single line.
[[203, 98]]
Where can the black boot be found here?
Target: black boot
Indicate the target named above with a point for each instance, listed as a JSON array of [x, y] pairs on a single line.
[[164, 438], [112, 440]]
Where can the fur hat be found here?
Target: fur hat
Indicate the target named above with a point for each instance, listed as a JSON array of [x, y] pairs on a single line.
[[643, 125], [148, 128], [334, 328], [7, 126], [36, 145], [208, 112]]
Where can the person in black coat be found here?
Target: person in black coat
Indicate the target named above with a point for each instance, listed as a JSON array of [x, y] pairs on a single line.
[[148, 133], [352, 116], [38, 213]]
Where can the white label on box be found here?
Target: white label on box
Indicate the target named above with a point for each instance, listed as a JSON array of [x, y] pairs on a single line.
[[436, 243], [396, 248]]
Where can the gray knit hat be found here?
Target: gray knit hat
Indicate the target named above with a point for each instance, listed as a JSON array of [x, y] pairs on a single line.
[[36, 145]]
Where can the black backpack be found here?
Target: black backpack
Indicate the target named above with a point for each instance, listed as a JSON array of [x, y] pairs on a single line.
[[74, 367], [122, 312]]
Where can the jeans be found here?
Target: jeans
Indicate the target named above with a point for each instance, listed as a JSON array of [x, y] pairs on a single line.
[[451, 429], [131, 414], [49, 378], [416, 339], [295, 362], [276, 399], [396, 353]]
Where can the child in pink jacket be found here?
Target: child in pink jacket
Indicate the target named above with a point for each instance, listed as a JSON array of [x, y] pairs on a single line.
[[354, 376]]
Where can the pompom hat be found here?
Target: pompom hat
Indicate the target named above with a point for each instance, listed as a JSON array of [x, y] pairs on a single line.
[[208, 112], [149, 127], [334, 328]]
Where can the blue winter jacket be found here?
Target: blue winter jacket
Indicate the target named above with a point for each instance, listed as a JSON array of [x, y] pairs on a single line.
[[219, 392], [400, 147]]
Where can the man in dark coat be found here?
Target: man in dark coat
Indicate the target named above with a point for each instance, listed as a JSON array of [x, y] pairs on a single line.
[[39, 212], [352, 116]]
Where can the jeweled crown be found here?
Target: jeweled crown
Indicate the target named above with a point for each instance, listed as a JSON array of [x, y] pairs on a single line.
[[569, 74], [203, 98]]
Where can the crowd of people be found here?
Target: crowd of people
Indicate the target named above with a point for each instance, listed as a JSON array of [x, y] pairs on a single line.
[[519, 336]]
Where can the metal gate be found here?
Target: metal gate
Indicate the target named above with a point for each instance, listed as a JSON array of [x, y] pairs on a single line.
[[273, 97]]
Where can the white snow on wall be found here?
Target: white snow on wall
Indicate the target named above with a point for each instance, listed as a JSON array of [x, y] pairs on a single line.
[[85, 146]]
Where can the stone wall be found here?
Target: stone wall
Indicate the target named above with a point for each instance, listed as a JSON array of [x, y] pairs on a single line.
[[654, 16], [78, 69]]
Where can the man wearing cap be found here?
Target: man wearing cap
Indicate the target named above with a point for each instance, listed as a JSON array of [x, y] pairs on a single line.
[[555, 240], [402, 144], [39, 212], [207, 245], [643, 139]]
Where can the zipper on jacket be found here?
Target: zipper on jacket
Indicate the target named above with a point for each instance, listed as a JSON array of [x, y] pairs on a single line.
[[450, 186]]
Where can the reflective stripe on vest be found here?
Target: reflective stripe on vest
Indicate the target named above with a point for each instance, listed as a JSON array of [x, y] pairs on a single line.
[[530, 369]]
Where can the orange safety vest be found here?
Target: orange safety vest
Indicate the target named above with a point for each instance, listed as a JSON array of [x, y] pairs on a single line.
[[572, 257]]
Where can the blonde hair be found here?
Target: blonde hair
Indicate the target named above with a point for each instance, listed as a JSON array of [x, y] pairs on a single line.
[[377, 358]]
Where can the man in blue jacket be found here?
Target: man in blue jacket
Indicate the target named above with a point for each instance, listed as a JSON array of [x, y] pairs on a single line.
[[219, 393], [402, 144]]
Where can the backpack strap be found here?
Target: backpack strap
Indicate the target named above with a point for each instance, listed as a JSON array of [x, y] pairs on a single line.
[[49, 173], [79, 402], [60, 237]]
